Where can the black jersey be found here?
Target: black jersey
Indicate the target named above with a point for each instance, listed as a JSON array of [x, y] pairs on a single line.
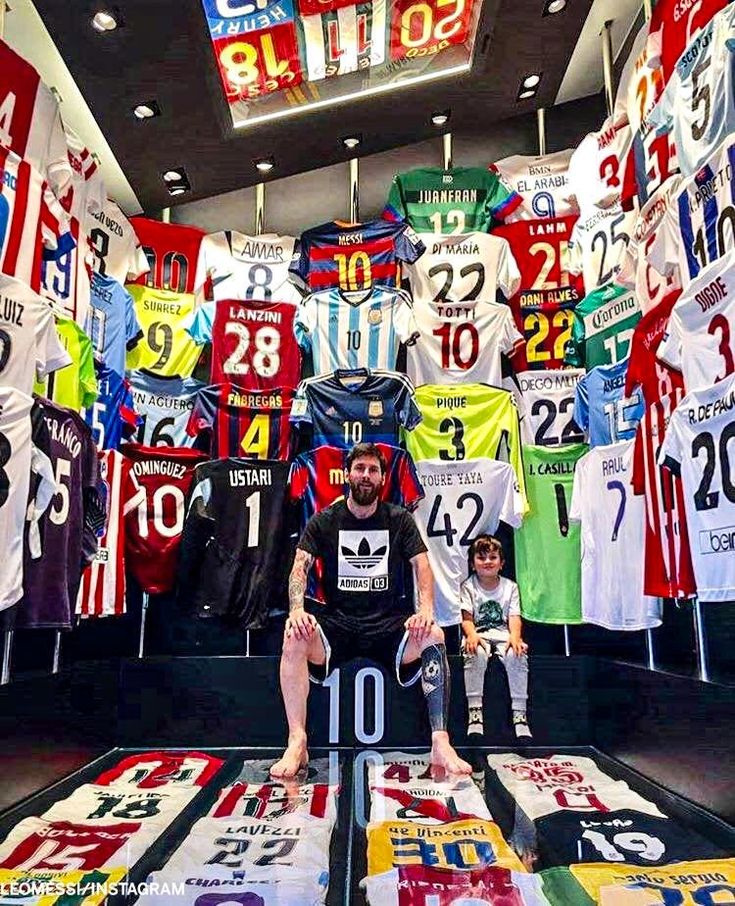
[[234, 548]]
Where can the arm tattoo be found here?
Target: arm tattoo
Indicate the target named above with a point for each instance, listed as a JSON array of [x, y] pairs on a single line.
[[297, 579]]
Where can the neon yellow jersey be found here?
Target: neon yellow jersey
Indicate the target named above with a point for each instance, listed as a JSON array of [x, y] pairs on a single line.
[[166, 348], [460, 844], [74, 386], [683, 883], [46, 888]]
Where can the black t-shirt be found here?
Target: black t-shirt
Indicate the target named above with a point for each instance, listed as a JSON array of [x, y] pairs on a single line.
[[363, 561]]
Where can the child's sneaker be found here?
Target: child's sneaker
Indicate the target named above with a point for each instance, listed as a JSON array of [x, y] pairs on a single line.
[[474, 724], [520, 725]]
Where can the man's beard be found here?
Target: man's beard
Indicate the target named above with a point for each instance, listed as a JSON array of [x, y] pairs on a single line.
[[364, 495]]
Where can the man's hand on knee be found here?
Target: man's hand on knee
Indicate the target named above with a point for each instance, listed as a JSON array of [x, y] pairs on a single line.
[[300, 624], [418, 626]]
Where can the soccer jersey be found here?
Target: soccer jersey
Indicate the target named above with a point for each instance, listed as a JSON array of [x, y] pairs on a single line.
[[360, 329], [603, 327], [612, 520], [427, 802], [696, 448], [166, 348], [644, 369], [253, 343], [445, 202], [603, 409], [468, 844], [547, 545], [542, 182], [155, 770], [102, 589], [117, 252], [75, 385], [346, 39], [274, 801], [164, 406], [598, 243], [112, 416], [194, 890], [29, 343], [698, 340], [172, 250], [234, 267], [250, 423], [462, 500], [112, 324], [100, 805], [47, 888], [595, 173], [51, 582], [548, 405], [349, 407], [672, 27], [154, 515], [353, 256]]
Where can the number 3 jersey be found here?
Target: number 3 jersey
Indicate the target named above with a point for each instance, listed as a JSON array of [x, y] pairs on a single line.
[[166, 348]]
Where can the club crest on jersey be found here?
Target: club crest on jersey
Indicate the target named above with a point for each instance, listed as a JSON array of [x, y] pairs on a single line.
[[375, 316], [375, 409], [362, 562]]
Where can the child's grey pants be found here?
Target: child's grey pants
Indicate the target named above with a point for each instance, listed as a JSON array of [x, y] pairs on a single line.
[[515, 667]]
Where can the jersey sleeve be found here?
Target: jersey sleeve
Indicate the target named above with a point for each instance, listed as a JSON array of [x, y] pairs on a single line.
[[501, 200], [404, 321], [514, 605], [201, 278], [138, 263], [662, 253], [202, 323], [575, 508], [511, 338], [513, 507], [45, 488], [669, 349], [581, 412], [509, 275], [638, 476], [298, 270], [298, 480], [300, 407], [409, 247], [395, 208], [305, 322], [407, 410], [626, 276], [133, 331], [574, 349], [202, 415], [406, 480], [661, 116], [50, 353], [575, 262], [88, 387], [55, 227], [634, 374], [670, 453]]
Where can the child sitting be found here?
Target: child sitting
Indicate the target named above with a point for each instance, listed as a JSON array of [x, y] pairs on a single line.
[[491, 623]]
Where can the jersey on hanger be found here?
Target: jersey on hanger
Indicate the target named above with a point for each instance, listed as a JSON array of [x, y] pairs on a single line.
[[156, 770], [117, 252], [166, 348], [612, 519], [349, 407], [598, 243], [154, 515], [112, 325], [164, 406], [273, 801], [645, 369], [343, 40], [696, 447], [112, 416], [250, 423], [172, 250], [74, 385], [459, 200], [603, 327], [548, 407], [427, 803], [353, 256], [595, 175], [547, 545], [462, 500], [603, 409], [360, 329], [542, 182]]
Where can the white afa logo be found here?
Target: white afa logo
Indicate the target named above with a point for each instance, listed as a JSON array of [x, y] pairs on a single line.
[[362, 560]]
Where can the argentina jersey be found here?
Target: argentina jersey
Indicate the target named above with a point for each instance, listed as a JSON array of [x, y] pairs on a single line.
[[360, 329]]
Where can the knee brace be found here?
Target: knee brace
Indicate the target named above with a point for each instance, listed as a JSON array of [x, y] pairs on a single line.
[[435, 684]]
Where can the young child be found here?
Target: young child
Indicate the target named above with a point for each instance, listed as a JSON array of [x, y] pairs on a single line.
[[491, 623]]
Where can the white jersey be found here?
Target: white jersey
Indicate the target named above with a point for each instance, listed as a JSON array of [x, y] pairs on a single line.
[[547, 401], [596, 166], [598, 243], [462, 499], [542, 182], [166, 889], [274, 801], [30, 348], [700, 336], [612, 520], [421, 884], [344, 40], [698, 446], [18, 458], [397, 768], [117, 252], [543, 786], [234, 266], [427, 802], [101, 805], [360, 329]]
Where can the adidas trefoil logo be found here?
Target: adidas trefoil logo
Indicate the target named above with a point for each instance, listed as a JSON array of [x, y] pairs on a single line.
[[363, 558]]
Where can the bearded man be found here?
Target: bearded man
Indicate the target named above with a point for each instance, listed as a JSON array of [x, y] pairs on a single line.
[[363, 544]]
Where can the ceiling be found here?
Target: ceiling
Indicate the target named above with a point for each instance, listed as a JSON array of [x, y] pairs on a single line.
[[162, 52]]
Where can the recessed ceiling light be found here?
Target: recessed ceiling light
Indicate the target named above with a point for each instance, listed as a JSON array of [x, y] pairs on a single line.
[[554, 6], [524, 95], [177, 190], [104, 21], [173, 175], [147, 110], [265, 164], [440, 119], [531, 81], [351, 141]]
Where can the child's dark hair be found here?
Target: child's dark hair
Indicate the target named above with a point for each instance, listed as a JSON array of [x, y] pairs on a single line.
[[481, 545]]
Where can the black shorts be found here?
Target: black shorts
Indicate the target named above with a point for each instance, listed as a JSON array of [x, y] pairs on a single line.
[[343, 644]]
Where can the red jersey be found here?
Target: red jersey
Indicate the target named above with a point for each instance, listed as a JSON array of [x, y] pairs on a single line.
[[543, 306], [644, 370], [250, 423], [154, 515], [151, 770], [420, 885], [668, 571], [172, 251], [272, 801], [672, 27]]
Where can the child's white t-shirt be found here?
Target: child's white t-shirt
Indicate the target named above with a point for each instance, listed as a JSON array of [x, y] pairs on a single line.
[[490, 609]]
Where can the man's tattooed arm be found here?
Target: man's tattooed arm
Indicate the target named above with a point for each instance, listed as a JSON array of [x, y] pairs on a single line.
[[297, 579]]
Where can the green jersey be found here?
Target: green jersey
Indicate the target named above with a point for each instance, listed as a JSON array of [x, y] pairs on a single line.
[[603, 327], [76, 385], [460, 200], [547, 545]]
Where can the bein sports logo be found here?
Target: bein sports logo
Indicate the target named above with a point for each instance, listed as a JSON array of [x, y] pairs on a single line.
[[717, 541]]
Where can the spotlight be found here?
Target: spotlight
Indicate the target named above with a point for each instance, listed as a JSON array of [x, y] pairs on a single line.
[[531, 81], [525, 95], [351, 141], [264, 164], [177, 190], [104, 21], [177, 182], [553, 6], [440, 119], [147, 110], [173, 176]]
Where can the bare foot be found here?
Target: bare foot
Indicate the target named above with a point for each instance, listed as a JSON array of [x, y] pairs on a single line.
[[293, 759], [444, 757]]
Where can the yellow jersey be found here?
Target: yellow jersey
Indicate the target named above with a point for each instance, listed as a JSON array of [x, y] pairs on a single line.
[[707, 881], [166, 349]]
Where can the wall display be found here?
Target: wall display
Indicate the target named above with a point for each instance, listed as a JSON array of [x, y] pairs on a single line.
[[166, 347], [596, 167], [603, 409], [542, 182], [163, 406], [547, 402], [603, 327], [172, 251], [112, 325], [598, 243], [74, 385], [112, 416], [115, 247]]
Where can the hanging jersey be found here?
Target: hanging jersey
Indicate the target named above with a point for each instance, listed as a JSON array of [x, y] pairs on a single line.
[[463, 500], [47, 888], [117, 252], [542, 182], [274, 801], [612, 520], [644, 368], [172, 250], [194, 890], [250, 423], [603, 327], [319, 477], [446, 202], [156, 770], [344, 40], [469, 844], [350, 407], [695, 447], [427, 803], [166, 349], [235, 267], [112, 324], [361, 329], [547, 545], [112, 416], [75, 385], [698, 340], [164, 406], [603, 410], [595, 173], [100, 805], [29, 343], [598, 243], [154, 515], [353, 256], [548, 405], [253, 343], [102, 589]]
